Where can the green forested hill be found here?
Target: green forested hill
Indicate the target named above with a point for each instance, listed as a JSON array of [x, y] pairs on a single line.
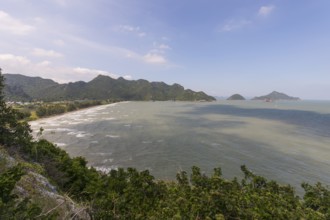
[[25, 88], [236, 97]]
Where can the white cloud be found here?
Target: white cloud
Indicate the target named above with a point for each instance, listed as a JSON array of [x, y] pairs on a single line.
[[59, 42], [62, 3], [233, 25], [13, 60], [156, 54], [100, 47], [266, 10], [164, 47], [142, 34], [131, 29], [128, 28], [44, 63], [236, 24], [11, 63], [46, 53], [154, 58], [11, 25], [39, 20], [18, 64], [159, 48], [165, 38], [128, 77], [93, 72]]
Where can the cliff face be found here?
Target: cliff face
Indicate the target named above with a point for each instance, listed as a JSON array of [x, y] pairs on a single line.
[[39, 190]]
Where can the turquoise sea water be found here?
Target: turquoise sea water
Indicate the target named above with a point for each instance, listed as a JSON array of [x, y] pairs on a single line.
[[285, 141]]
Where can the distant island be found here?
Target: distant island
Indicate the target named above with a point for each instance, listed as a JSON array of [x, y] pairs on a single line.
[[236, 97], [273, 96], [24, 88]]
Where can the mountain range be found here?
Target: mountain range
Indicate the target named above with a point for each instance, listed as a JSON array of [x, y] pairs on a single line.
[[25, 88]]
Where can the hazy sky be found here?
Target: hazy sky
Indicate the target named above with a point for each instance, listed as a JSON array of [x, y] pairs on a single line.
[[251, 47]]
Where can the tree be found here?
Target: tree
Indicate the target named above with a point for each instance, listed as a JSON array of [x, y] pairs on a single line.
[[317, 198], [13, 131]]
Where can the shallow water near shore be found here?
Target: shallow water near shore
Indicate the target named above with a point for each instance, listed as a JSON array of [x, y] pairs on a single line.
[[285, 141]]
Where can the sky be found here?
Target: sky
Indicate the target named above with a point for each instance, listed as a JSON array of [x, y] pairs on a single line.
[[220, 47]]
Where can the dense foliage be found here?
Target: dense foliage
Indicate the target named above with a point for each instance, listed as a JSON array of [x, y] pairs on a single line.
[[131, 194], [48, 109], [24, 88], [13, 131], [35, 110]]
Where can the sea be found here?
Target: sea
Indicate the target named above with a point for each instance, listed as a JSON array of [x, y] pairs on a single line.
[[286, 141]]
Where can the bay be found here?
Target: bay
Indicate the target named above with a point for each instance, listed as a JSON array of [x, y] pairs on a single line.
[[288, 141]]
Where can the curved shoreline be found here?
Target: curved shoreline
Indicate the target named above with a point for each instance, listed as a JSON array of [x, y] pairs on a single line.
[[68, 112]]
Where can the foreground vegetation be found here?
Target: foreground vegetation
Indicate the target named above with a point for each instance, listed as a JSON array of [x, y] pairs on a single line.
[[131, 194]]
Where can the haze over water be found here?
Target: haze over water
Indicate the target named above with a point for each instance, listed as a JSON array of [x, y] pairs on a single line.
[[285, 141]]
